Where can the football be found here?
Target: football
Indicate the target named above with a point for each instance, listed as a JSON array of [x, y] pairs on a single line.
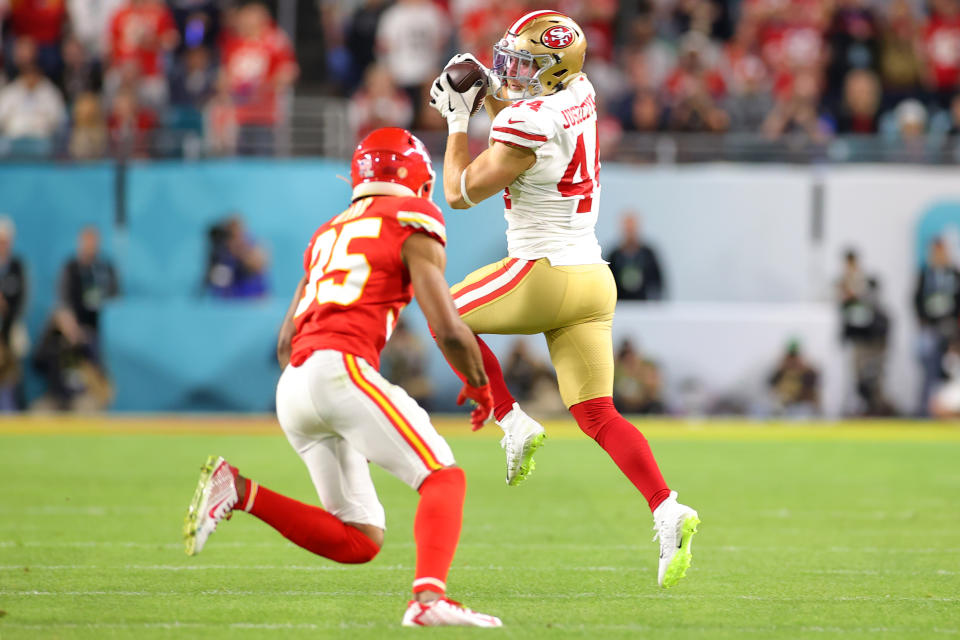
[[463, 76]]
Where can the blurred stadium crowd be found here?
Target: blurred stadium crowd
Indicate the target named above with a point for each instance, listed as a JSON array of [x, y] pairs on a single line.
[[89, 78], [786, 69]]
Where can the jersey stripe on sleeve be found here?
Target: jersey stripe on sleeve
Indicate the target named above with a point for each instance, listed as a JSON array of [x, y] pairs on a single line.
[[521, 134], [423, 221]]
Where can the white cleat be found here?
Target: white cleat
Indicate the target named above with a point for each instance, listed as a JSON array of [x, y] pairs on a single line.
[[213, 500], [522, 436], [446, 613], [675, 525]]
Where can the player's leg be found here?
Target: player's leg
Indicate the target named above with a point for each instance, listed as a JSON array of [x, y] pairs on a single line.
[[583, 357], [508, 279], [382, 422], [511, 297], [350, 530]]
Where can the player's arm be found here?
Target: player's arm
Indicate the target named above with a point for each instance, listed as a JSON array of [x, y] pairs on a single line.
[[465, 183], [426, 260], [288, 328]]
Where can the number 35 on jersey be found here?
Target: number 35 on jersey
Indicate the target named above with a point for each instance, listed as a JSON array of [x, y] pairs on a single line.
[[336, 275]]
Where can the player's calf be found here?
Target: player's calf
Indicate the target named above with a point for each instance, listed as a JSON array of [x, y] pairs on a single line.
[[222, 490]]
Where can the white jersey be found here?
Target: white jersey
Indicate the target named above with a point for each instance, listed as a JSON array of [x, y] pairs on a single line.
[[552, 207]]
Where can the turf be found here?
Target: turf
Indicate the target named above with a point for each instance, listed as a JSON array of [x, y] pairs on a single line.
[[816, 532]]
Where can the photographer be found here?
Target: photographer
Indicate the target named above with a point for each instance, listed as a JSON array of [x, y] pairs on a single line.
[[866, 326], [236, 266], [937, 302]]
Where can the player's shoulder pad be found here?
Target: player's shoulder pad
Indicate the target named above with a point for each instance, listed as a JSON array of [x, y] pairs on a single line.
[[526, 123], [421, 215]]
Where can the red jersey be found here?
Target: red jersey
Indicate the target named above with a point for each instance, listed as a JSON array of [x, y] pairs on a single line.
[[136, 33], [41, 20], [252, 65], [357, 283], [942, 42]]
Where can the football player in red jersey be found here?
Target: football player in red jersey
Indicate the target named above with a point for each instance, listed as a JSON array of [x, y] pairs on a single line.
[[361, 269]]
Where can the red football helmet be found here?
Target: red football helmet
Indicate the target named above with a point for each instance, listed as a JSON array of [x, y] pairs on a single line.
[[391, 162]]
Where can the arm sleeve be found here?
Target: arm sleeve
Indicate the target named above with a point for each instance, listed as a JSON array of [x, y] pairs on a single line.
[[281, 54], [521, 126]]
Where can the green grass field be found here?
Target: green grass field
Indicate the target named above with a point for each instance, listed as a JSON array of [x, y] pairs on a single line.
[[818, 532]]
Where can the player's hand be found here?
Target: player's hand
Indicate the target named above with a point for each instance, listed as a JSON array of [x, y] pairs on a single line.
[[482, 397], [493, 82], [452, 105]]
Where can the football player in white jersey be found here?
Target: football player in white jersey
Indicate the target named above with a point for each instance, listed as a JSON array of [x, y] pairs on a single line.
[[543, 156]]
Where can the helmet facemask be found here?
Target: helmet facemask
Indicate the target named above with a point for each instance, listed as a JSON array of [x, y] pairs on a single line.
[[520, 67]]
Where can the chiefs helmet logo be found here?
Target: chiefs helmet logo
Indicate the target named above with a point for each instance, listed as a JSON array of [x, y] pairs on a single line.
[[365, 167], [557, 37]]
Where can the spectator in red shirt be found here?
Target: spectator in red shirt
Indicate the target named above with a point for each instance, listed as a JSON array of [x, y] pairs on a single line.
[[141, 33], [258, 67], [797, 112], [694, 90], [941, 41], [43, 22], [130, 124]]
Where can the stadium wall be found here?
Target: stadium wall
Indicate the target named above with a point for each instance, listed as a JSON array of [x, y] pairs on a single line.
[[748, 251]]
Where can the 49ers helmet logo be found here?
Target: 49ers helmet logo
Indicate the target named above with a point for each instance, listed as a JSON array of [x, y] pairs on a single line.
[[557, 37]]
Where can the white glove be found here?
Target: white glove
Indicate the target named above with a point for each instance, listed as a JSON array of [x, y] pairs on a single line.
[[452, 105], [493, 82]]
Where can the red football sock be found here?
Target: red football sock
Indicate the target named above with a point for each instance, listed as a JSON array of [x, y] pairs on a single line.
[[309, 527], [436, 527], [623, 442], [502, 399]]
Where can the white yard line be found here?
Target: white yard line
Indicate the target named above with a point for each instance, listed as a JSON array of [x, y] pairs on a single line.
[[78, 510], [400, 567], [282, 567], [592, 628], [538, 596], [6, 544]]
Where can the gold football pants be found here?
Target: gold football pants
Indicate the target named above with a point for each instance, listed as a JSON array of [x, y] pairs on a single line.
[[571, 305]]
